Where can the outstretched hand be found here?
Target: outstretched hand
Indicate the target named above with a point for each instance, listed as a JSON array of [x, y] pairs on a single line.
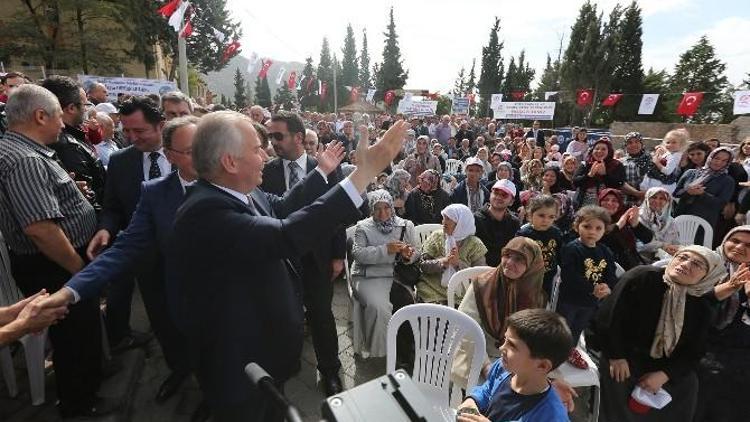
[[371, 160], [11, 312], [331, 156]]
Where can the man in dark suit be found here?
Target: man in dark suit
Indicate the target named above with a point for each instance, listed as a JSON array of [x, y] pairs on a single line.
[[320, 267], [150, 225], [230, 252], [470, 191], [536, 133], [144, 160]]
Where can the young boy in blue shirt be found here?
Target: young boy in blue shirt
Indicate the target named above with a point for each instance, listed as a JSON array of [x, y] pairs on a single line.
[[517, 388]]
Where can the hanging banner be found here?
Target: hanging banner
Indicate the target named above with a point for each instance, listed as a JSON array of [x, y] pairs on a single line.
[[370, 94], [534, 110], [280, 76], [460, 106], [496, 99], [648, 103], [689, 104], [741, 102], [417, 108], [548, 94], [132, 86], [252, 62]]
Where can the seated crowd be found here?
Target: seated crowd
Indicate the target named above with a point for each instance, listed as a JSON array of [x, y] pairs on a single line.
[[575, 226]]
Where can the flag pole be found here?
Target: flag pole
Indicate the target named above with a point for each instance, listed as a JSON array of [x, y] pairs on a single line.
[[335, 93], [182, 57]]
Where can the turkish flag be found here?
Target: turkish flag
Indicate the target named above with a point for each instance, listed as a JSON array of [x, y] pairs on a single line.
[[264, 68], [518, 95], [611, 100], [309, 84], [323, 90], [472, 97], [230, 50], [389, 97], [292, 82], [354, 96], [169, 8], [689, 103], [584, 97]]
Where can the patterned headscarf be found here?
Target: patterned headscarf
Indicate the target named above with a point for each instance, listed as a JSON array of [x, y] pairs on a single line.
[[382, 195], [706, 173], [432, 178], [395, 181], [656, 222]]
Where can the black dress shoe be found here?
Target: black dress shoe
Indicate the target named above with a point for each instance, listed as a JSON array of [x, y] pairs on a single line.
[[332, 384], [133, 340], [170, 386], [202, 413]]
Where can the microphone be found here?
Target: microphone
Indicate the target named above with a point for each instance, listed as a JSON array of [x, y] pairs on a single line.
[[260, 378]]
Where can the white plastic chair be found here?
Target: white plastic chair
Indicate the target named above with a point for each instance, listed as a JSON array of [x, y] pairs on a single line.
[[33, 344], [438, 331], [423, 231], [619, 271], [463, 278], [347, 270], [556, 280], [453, 166], [687, 227]]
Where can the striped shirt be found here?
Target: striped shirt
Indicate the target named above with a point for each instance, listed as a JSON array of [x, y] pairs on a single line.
[[33, 187]]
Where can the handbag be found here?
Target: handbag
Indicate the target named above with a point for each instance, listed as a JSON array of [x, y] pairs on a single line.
[[404, 272]]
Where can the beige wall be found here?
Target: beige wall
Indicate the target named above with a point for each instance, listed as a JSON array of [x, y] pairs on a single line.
[[731, 133]]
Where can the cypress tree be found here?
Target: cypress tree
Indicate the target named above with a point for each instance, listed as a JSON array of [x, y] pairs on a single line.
[[262, 92], [325, 74], [240, 95], [628, 76], [391, 73], [492, 69], [364, 64]]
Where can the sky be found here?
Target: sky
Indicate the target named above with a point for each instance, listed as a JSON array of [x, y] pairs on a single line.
[[439, 37]]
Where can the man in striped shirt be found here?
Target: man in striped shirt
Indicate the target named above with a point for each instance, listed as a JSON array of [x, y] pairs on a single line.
[[47, 223]]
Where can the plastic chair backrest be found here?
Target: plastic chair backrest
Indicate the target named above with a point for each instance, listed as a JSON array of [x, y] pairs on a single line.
[[347, 266], [9, 292], [687, 227], [459, 282], [438, 331], [453, 166], [556, 281], [423, 231], [619, 271]]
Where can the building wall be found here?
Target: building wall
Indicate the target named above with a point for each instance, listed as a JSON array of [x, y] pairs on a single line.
[[731, 133]]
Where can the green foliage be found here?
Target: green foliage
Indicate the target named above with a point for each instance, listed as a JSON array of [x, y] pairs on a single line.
[[365, 78], [240, 95], [390, 73], [284, 97], [262, 92], [628, 76], [492, 69], [325, 74], [459, 87]]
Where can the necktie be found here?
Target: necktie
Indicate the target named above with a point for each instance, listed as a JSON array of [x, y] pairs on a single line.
[[293, 175], [251, 205], [154, 171]]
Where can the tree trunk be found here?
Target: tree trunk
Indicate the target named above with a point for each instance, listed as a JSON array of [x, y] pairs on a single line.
[[82, 41]]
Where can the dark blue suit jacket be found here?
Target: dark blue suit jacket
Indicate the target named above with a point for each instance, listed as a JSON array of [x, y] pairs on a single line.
[[239, 300], [150, 226], [539, 138], [460, 194], [122, 190]]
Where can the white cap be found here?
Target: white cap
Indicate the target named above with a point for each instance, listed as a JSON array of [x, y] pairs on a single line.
[[106, 108], [473, 161], [505, 185]]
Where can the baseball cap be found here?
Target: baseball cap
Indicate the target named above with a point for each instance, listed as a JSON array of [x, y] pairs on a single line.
[[506, 186], [473, 161], [108, 108]]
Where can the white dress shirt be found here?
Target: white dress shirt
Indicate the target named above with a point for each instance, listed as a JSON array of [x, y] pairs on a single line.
[[164, 165]]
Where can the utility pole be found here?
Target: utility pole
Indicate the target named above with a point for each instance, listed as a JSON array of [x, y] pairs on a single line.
[[182, 57], [335, 91]]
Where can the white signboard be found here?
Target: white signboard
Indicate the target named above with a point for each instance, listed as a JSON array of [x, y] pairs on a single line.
[[460, 106], [132, 86], [496, 99], [417, 108], [741, 102], [525, 110], [648, 103]]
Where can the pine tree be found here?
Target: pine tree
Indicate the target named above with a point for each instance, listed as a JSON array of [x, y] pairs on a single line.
[[491, 73], [262, 92], [459, 87], [471, 83], [699, 70], [284, 97], [510, 81], [325, 74], [391, 73], [364, 64], [349, 67], [240, 96], [550, 80], [627, 76], [308, 94], [525, 73], [577, 67]]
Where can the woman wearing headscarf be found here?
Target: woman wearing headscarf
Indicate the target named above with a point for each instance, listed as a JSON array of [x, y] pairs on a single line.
[[704, 192], [568, 170], [515, 285], [655, 213], [398, 186], [423, 204], [653, 330], [378, 243], [599, 171], [420, 160], [448, 250], [566, 214], [620, 237], [531, 174]]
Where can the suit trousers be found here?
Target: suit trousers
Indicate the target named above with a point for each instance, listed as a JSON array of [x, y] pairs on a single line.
[[76, 340], [318, 294], [119, 298]]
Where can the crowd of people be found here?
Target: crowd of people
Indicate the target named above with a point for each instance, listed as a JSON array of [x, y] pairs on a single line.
[[232, 224]]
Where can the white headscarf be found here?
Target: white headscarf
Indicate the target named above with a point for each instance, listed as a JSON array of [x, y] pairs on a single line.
[[464, 219], [656, 222]]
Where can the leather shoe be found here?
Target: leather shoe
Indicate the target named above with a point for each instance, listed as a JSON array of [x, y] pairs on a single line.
[[332, 384], [202, 413], [133, 340], [170, 386]]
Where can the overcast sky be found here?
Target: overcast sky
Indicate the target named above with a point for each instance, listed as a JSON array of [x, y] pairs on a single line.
[[438, 37]]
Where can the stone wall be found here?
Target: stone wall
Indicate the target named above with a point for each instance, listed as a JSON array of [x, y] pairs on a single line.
[[731, 133]]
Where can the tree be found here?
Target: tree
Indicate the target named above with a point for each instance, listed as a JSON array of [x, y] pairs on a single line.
[[308, 94], [349, 68], [284, 97], [699, 70], [391, 73], [240, 95], [471, 83], [492, 70], [577, 67], [519, 76], [509, 82], [550, 80], [656, 83], [364, 63], [325, 75], [459, 87], [262, 92], [628, 75]]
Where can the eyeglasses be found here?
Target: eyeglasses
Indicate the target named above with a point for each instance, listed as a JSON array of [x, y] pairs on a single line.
[[188, 151], [276, 135], [692, 262]]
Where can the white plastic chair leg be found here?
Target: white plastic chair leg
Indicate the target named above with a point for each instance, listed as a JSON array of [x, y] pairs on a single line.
[[6, 362], [33, 346]]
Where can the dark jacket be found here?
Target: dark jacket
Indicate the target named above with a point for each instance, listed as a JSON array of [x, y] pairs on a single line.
[[461, 192], [77, 157], [123, 189], [417, 211], [495, 234]]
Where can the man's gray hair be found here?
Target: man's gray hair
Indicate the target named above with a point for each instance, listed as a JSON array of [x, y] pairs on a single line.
[[27, 99], [218, 134], [171, 127], [176, 97], [95, 85], [311, 132]]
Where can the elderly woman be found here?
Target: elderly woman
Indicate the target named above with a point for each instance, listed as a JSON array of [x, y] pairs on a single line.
[[398, 186], [531, 174], [420, 160], [704, 192], [652, 331], [379, 241], [655, 214], [424, 204], [448, 250]]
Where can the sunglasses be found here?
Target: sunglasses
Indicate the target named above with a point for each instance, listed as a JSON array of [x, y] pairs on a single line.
[[276, 135]]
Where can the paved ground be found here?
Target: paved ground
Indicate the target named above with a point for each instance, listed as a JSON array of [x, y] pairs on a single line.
[[142, 371]]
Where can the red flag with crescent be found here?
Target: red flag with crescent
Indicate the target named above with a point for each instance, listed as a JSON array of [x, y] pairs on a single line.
[[389, 97], [584, 97], [689, 103], [611, 100], [518, 95], [264, 68], [292, 82], [230, 50], [354, 96], [168, 9]]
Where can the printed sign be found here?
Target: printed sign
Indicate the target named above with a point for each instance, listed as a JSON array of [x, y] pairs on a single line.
[[132, 86], [460, 106], [533, 110]]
